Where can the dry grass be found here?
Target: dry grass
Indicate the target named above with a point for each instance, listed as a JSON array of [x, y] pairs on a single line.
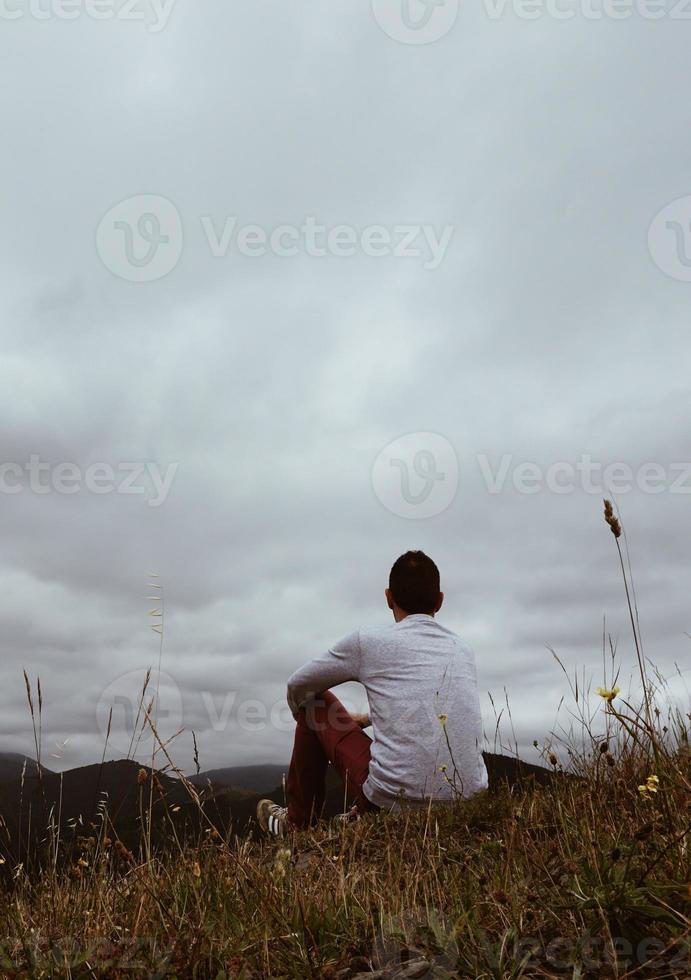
[[586, 877], [574, 873]]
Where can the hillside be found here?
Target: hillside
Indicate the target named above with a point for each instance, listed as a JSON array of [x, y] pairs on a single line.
[[78, 799], [12, 764], [581, 878], [266, 778], [259, 779]]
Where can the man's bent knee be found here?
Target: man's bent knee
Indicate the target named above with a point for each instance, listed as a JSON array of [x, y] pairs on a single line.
[[325, 712]]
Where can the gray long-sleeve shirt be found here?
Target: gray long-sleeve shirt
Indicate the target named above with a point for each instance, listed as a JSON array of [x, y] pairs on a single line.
[[421, 684]]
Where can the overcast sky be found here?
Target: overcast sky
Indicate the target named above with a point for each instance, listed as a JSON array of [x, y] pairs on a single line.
[[543, 318]]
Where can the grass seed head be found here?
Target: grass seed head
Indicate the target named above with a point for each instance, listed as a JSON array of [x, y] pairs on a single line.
[[614, 524]]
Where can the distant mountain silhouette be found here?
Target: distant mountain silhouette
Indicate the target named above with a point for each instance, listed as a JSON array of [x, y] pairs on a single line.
[[265, 778], [79, 797], [507, 770], [75, 798], [12, 764], [259, 779]]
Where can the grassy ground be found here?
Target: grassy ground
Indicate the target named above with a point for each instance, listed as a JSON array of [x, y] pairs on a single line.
[[585, 878], [589, 876]]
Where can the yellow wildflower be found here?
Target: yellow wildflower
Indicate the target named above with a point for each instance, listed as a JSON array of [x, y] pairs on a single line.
[[651, 785], [609, 694], [443, 719]]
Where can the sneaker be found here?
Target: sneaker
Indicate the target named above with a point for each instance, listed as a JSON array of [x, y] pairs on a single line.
[[350, 816], [273, 819]]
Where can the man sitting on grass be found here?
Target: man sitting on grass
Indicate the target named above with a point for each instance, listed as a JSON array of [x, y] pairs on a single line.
[[424, 707]]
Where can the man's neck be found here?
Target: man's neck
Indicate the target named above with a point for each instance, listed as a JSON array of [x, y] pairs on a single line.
[[400, 614]]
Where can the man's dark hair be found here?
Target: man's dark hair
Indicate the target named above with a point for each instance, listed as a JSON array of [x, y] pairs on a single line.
[[414, 583]]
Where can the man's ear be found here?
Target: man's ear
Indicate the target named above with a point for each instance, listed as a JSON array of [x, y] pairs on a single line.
[[440, 602], [389, 599]]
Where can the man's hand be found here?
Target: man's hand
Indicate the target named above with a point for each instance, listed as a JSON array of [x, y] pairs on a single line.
[[362, 720]]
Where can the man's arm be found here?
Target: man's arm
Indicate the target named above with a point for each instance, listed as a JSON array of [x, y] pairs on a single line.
[[339, 664]]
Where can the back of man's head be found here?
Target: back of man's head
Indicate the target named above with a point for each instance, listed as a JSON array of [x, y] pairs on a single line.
[[414, 583]]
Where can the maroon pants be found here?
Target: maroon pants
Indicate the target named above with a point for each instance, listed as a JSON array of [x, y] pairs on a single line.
[[326, 734]]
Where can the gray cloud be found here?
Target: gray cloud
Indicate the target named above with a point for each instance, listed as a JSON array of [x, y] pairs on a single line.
[[547, 333]]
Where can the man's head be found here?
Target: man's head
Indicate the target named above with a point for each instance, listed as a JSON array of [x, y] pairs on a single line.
[[414, 586]]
